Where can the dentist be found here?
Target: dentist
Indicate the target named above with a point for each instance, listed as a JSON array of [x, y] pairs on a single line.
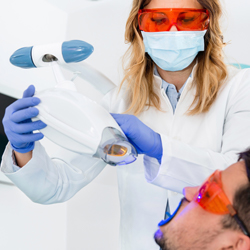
[[186, 112]]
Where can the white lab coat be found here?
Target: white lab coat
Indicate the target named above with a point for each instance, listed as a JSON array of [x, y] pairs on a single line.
[[193, 147]]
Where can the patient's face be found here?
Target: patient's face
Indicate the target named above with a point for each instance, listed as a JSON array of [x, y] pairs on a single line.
[[195, 228]]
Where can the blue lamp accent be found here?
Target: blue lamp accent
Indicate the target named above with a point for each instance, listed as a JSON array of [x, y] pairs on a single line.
[[76, 51], [240, 66], [72, 51], [22, 58]]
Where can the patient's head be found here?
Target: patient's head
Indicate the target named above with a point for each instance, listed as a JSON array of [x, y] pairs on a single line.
[[206, 220]]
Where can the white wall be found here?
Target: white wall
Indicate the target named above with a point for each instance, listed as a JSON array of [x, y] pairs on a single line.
[[26, 23], [94, 212], [25, 225], [236, 33], [92, 216]]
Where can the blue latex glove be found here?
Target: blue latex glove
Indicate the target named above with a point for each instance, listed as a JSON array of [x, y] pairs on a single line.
[[18, 125], [143, 138]]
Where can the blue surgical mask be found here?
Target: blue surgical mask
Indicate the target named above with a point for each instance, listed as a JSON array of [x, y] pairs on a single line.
[[173, 51]]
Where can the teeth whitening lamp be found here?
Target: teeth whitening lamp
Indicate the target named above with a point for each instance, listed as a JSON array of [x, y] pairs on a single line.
[[74, 121]]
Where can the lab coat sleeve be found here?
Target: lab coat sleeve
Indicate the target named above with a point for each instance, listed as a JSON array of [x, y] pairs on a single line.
[[185, 165], [55, 179]]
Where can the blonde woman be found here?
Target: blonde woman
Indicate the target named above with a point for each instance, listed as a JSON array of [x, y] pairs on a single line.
[[183, 109]]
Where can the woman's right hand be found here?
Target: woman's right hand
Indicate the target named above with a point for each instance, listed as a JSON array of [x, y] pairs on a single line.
[[18, 125]]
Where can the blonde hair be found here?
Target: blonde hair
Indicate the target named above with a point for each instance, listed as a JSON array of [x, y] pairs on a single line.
[[209, 76]]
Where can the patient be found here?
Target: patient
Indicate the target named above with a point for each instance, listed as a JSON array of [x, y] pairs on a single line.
[[211, 217]]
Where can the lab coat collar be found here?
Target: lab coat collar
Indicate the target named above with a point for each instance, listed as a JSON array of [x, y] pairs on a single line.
[[158, 79]]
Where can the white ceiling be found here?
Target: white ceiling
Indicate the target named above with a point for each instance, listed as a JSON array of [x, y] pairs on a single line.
[[70, 6]]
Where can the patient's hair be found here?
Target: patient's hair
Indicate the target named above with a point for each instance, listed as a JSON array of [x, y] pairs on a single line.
[[241, 201]]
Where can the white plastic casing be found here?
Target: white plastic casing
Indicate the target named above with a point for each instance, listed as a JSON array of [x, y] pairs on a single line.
[[74, 121], [39, 51]]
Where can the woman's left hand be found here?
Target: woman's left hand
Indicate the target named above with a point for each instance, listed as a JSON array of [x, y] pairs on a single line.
[[143, 138]]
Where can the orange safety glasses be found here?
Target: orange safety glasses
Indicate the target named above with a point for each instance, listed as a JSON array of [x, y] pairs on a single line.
[[212, 198], [158, 20]]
